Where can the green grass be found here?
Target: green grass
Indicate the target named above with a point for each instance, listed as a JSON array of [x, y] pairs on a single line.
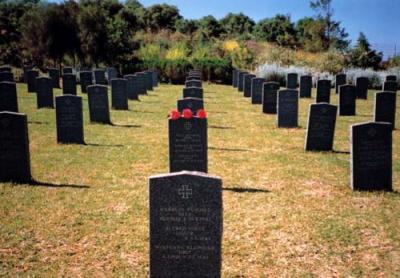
[[286, 212]]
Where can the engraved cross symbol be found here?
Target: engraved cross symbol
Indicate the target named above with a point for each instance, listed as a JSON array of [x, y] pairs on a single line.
[[185, 192]]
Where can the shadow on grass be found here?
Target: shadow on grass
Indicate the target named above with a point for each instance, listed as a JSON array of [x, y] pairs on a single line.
[[217, 112], [369, 116], [229, 150], [103, 145], [53, 185], [246, 190], [145, 112], [221, 127], [37, 123], [126, 126], [341, 152]]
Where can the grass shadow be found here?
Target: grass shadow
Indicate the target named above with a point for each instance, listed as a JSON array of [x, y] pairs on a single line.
[[246, 190], [138, 111], [362, 115], [229, 150], [53, 185], [37, 123], [221, 127], [217, 112], [341, 152], [103, 145], [126, 126]]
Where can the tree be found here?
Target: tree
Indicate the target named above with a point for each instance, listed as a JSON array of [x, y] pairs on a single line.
[[161, 16], [363, 56], [187, 27], [310, 34], [209, 27], [334, 35], [236, 25], [278, 29]]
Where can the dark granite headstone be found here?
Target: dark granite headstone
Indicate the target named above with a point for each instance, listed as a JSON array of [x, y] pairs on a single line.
[[256, 90], [5, 69], [237, 78], [6, 76], [288, 108], [241, 81], [44, 92], [155, 78], [340, 79], [14, 148], [305, 86], [188, 145], [234, 78], [347, 100], [193, 92], [324, 91], [99, 76], [321, 127], [67, 70], [119, 95], [149, 80], [193, 83], [141, 83], [391, 78], [270, 97], [32, 74], [26, 68], [371, 156], [390, 86], [86, 79], [247, 84], [193, 78], [385, 108], [99, 111], [69, 84], [194, 104], [291, 80], [8, 97], [54, 74], [69, 119], [112, 73], [362, 87], [186, 225], [132, 87]]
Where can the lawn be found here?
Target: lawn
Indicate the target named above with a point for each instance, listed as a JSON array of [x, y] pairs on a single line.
[[286, 212]]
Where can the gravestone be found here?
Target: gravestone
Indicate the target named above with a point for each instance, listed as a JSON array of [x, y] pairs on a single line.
[[390, 86], [99, 76], [186, 225], [288, 108], [149, 80], [67, 70], [44, 92], [237, 79], [256, 90], [54, 74], [155, 78], [193, 92], [69, 84], [340, 79], [270, 97], [247, 84], [32, 74], [191, 78], [99, 111], [112, 73], [5, 69], [324, 91], [321, 127], [305, 86], [385, 108], [6, 76], [141, 83], [391, 78], [194, 104], [69, 119], [86, 79], [188, 144], [14, 148], [119, 95], [26, 68], [234, 78], [241, 81], [371, 156], [362, 87], [347, 100], [193, 83], [291, 80], [132, 86], [8, 97]]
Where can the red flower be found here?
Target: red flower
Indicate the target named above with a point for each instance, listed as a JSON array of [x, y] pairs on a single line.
[[187, 114], [174, 115], [201, 114]]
